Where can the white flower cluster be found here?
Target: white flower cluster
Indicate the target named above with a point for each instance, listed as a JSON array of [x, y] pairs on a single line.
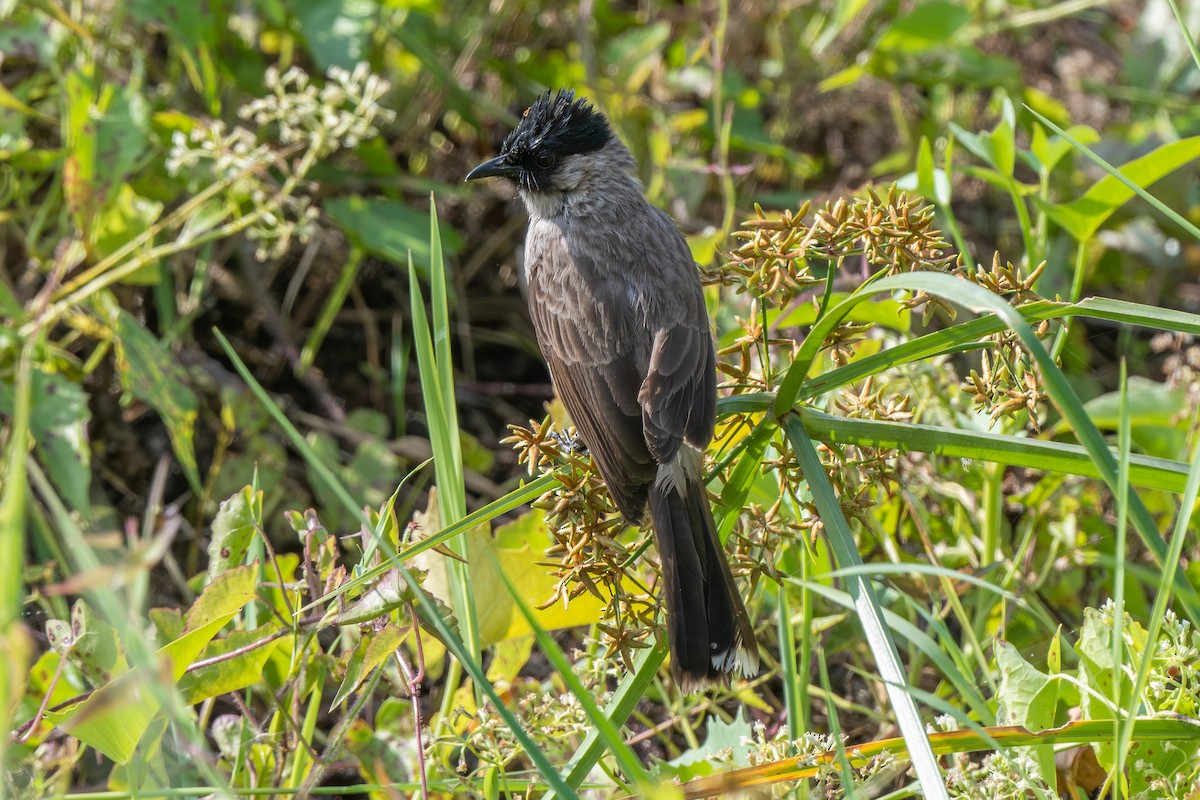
[[228, 152], [314, 120], [341, 113]]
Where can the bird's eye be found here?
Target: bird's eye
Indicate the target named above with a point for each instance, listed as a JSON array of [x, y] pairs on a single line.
[[545, 160]]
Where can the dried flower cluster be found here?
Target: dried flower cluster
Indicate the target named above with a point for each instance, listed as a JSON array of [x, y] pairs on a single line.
[[895, 233], [311, 123], [586, 526], [1006, 384]]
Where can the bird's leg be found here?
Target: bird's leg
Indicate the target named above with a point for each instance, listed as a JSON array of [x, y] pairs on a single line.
[[570, 442]]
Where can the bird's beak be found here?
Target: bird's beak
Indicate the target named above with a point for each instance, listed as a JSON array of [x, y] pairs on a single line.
[[498, 167]]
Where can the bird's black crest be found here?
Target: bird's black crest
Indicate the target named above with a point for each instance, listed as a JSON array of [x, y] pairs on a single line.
[[560, 126]]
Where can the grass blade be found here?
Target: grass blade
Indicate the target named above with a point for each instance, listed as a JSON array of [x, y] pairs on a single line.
[[870, 614]]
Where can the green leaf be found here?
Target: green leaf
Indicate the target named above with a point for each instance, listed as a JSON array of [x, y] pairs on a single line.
[[733, 737], [518, 547], [60, 433], [635, 52], [928, 26], [870, 613], [126, 217], [336, 32], [1003, 141], [190, 24], [390, 230], [1155, 415], [1060, 391], [1096, 663], [371, 651], [234, 673], [234, 526], [217, 605], [149, 372], [1083, 216], [107, 132], [886, 312], [113, 718], [1049, 150], [96, 645], [1027, 697], [997, 148]]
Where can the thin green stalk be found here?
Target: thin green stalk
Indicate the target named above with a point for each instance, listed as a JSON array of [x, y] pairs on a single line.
[[992, 513], [1124, 445], [333, 304], [1183, 30], [849, 787], [1060, 338], [788, 664], [13, 638]]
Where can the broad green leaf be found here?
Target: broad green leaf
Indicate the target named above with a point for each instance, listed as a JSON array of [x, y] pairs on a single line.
[[370, 652], [1002, 139], [518, 548], [927, 180], [508, 659], [634, 53], [336, 31], [127, 216], [237, 672], [95, 645], [928, 26], [997, 147], [149, 372], [1155, 416], [188, 23], [390, 230], [234, 526], [60, 433], [107, 133], [1096, 665], [887, 312], [731, 740], [220, 601], [1049, 150], [1028, 698], [1084, 216], [113, 718]]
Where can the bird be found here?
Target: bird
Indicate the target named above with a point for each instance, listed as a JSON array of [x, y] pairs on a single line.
[[618, 310]]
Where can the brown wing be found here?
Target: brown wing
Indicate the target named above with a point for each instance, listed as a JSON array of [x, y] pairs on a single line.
[[679, 394], [594, 351]]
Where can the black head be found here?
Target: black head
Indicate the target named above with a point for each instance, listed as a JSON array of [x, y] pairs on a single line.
[[550, 130]]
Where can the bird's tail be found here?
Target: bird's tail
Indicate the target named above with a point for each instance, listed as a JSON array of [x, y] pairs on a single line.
[[708, 630]]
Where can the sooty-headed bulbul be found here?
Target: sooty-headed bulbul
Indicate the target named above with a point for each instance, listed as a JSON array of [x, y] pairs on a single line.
[[619, 313]]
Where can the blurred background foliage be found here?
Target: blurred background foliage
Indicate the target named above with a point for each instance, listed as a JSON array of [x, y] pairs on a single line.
[[119, 257]]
